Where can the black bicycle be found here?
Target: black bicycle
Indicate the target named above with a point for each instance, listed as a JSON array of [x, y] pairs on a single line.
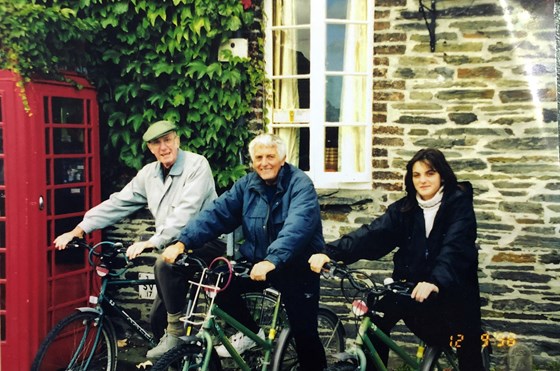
[[86, 339]]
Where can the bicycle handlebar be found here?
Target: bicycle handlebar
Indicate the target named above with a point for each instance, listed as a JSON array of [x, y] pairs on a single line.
[[363, 283]]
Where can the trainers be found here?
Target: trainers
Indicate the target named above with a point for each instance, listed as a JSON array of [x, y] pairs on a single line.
[[167, 342], [240, 342]]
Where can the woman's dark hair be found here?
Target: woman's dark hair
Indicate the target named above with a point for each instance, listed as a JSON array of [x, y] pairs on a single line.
[[436, 159]]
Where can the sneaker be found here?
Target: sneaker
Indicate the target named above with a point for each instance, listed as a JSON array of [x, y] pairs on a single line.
[[240, 342], [166, 343]]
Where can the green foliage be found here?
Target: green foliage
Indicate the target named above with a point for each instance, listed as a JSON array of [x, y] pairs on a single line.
[[161, 62], [150, 60]]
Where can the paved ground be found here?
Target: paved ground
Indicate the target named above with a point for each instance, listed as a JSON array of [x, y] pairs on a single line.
[[131, 355]]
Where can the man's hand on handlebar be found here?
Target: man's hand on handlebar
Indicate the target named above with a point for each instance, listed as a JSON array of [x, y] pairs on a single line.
[[171, 252], [137, 248], [423, 290], [260, 270], [64, 239], [316, 262]]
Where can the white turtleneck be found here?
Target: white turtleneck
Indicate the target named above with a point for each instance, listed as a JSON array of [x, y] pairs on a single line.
[[430, 208]]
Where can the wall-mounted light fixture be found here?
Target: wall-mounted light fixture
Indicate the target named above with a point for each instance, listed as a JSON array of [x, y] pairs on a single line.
[[431, 24]]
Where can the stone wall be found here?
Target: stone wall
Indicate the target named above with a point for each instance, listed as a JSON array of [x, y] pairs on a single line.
[[486, 97]]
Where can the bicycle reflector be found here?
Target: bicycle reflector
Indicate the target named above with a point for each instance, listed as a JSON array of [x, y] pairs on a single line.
[[102, 270], [359, 308]]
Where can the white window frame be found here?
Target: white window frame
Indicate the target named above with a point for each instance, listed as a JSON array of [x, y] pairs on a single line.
[[315, 115]]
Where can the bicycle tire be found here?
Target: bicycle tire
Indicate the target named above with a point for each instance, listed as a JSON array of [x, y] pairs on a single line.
[[186, 356], [69, 345], [331, 333]]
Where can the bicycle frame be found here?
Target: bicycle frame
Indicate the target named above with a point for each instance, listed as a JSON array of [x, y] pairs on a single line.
[[212, 329], [104, 299], [367, 329]]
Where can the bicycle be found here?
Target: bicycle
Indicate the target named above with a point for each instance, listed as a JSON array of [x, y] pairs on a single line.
[[197, 352], [427, 357], [86, 339]]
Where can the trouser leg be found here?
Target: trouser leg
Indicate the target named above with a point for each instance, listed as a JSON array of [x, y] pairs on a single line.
[[158, 318], [300, 294], [172, 284], [231, 302]]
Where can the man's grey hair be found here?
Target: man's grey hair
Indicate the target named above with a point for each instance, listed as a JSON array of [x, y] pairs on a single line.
[[268, 140]]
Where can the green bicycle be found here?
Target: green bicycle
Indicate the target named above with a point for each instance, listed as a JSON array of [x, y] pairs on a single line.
[[206, 326], [427, 358]]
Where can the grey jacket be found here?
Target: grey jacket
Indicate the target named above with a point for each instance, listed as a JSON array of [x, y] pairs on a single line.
[[187, 189]]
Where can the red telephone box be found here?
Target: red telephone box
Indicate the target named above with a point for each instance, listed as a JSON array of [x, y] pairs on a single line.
[[49, 177]]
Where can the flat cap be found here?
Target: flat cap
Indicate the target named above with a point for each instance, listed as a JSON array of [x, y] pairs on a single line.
[[158, 129]]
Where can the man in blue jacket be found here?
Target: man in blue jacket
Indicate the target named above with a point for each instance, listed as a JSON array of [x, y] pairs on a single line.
[[278, 209]]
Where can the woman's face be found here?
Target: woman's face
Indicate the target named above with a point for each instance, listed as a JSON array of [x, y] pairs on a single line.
[[426, 179]]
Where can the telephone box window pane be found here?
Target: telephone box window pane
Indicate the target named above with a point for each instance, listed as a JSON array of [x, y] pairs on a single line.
[[2, 266], [1, 141], [2, 202], [69, 170], [1, 110], [3, 320], [69, 260], [64, 225], [2, 234], [2, 171], [48, 172], [46, 109], [69, 200], [67, 110], [47, 141], [68, 140]]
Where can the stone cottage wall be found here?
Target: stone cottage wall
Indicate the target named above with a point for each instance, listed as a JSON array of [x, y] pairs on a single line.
[[486, 97]]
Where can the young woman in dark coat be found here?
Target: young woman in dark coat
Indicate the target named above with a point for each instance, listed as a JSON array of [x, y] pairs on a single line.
[[433, 229]]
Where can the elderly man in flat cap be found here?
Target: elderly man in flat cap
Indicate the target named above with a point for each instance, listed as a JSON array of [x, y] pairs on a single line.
[[174, 188]]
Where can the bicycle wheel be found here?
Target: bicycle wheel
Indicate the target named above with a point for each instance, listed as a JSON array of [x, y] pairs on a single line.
[[186, 356], [78, 342], [438, 359], [331, 333]]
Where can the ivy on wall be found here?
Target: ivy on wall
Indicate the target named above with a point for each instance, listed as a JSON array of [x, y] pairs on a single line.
[[149, 60]]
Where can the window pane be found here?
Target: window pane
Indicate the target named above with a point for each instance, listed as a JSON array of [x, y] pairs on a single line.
[[2, 202], [2, 265], [290, 12], [347, 9], [1, 141], [291, 52], [297, 145], [69, 200], [346, 99], [2, 171], [67, 110], [69, 170], [346, 48], [68, 140], [291, 93], [331, 149]]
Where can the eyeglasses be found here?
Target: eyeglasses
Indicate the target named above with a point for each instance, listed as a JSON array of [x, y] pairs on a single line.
[[165, 140]]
